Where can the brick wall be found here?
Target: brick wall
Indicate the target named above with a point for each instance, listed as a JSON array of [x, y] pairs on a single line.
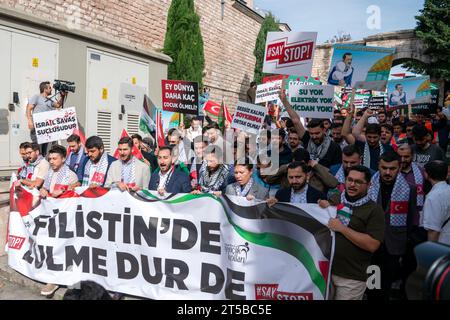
[[228, 43]]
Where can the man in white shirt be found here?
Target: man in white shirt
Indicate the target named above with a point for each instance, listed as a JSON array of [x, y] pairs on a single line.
[[128, 174], [436, 210], [194, 130]]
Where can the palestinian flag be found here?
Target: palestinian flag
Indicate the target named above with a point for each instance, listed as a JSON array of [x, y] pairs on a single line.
[[344, 214], [146, 123]]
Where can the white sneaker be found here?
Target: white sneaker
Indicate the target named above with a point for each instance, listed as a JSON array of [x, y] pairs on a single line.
[[49, 289]]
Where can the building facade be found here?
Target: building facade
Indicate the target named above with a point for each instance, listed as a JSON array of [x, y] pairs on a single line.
[[111, 49]]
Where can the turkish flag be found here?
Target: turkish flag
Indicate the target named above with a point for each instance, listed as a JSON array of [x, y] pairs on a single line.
[[212, 109], [399, 207], [135, 151], [159, 130]]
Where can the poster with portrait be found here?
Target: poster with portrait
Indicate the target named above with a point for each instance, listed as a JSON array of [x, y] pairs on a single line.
[[414, 91], [360, 67]]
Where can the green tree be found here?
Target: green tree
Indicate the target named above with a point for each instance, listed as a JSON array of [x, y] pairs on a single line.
[[269, 24], [184, 43], [433, 28]]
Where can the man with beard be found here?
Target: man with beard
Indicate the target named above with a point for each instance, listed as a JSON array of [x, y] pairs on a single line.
[[213, 175], [77, 154], [168, 179], [370, 144], [128, 174], [22, 172], [300, 191], [215, 137], [398, 200], [351, 156], [382, 118], [359, 227], [94, 170], [294, 140], [37, 167], [336, 133], [320, 146]]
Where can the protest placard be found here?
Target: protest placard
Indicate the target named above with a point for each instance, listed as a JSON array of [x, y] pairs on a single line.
[[361, 100], [180, 96], [377, 103], [249, 117], [289, 52], [415, 90], [360, 67], [312, 101], [268, 91], [55, 125]]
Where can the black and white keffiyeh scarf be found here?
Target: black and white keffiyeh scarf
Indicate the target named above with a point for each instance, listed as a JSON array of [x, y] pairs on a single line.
[[318, 152], [212, 182], [62, 178]]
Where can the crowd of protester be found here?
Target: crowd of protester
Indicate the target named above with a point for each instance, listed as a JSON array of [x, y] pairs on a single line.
[[387, 176]]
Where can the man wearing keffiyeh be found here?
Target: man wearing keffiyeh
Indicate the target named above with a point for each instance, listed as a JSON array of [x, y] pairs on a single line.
[[128, 173], [370, 143], [59, 177], [22, 172], [359, 227], [94, 170], [398, 199], [58, 180]]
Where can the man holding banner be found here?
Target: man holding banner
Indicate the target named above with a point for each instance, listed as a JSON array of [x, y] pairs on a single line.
[[359, 228], [128, 173], [94, 170], [59, 177]]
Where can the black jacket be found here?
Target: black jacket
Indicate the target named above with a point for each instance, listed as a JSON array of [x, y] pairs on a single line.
[[179, 182], [312, 195]]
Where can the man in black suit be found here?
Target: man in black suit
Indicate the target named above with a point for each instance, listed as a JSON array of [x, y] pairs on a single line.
[[299, 191], [168, 179]]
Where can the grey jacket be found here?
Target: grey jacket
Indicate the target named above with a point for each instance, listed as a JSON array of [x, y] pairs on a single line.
[[258, 191]]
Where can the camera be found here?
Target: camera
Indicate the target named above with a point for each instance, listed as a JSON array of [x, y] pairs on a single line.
[[62, 85]]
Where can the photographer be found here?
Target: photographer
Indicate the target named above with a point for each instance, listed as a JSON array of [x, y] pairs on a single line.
[[41, 103]]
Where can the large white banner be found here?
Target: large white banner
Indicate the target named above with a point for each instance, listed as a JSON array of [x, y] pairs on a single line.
[[312, 101], [55, 125], [289, 53], [184, 247]]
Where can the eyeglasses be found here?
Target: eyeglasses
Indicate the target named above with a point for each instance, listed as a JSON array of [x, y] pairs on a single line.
[[357, 183]]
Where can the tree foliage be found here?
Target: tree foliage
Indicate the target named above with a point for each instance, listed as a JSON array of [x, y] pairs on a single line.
[[433, 28], [269, 24], [184, 43]]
